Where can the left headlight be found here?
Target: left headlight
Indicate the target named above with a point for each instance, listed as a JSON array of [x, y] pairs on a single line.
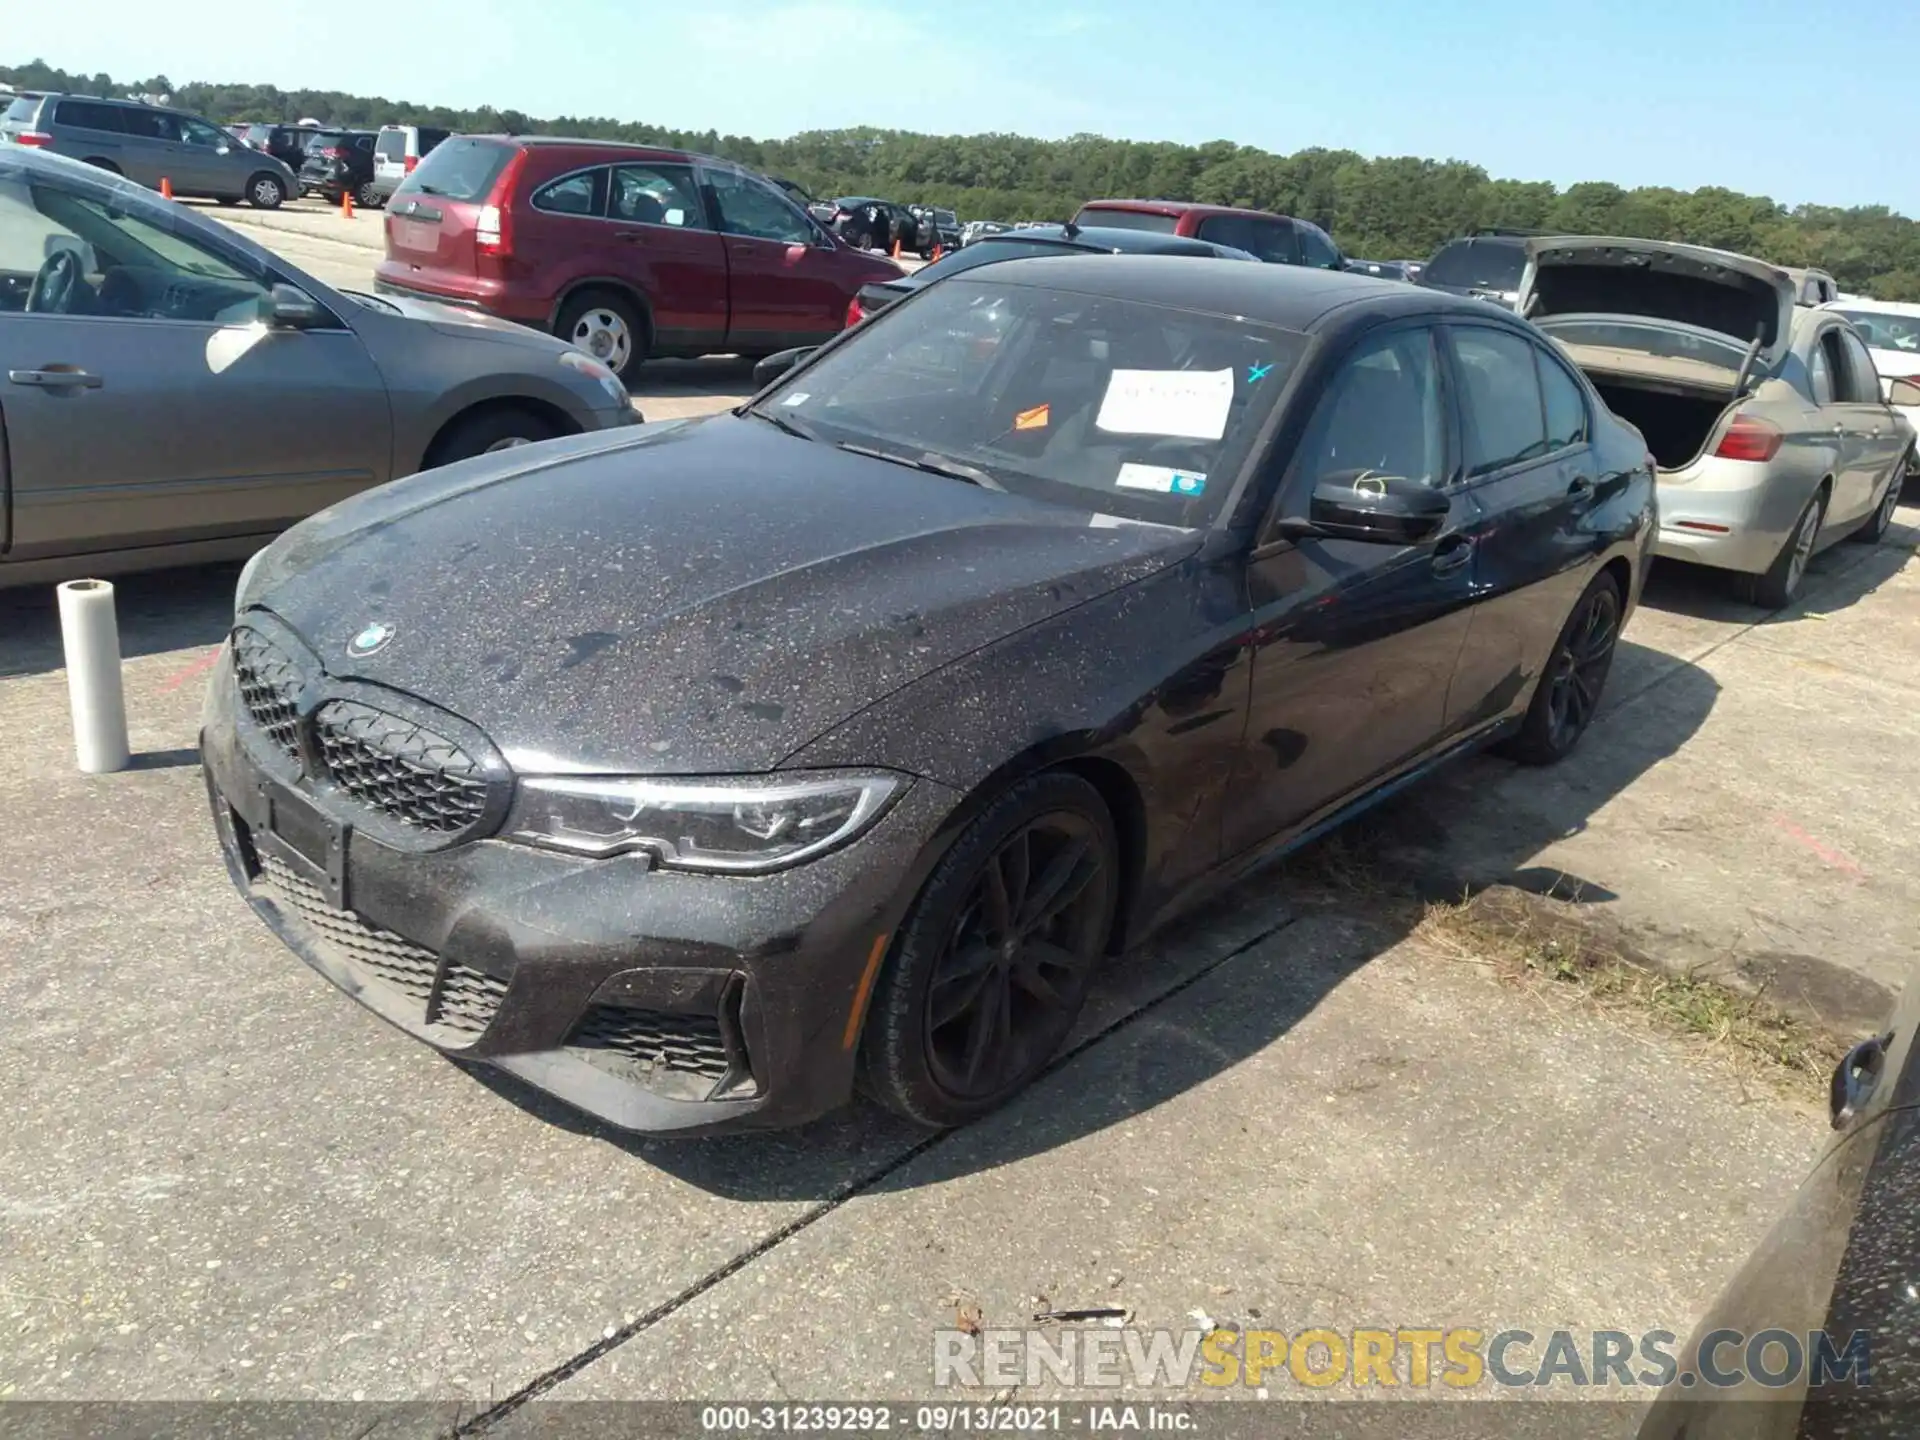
[[584, 363], [749, 825]]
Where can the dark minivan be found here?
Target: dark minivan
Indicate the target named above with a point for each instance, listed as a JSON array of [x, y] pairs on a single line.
[[624, 250]]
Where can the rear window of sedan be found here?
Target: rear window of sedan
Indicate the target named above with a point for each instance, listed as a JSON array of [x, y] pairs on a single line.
[[1127, 220]]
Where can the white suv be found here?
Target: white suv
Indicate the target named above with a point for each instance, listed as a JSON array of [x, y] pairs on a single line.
[[397, 151]]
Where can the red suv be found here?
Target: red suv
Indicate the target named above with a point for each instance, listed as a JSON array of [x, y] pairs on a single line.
[[1278, 239], [624, 250]]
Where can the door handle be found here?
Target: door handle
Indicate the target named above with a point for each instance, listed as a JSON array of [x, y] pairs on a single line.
[[1855, 1079], [56, 379], [1452, 553], [629, 235]]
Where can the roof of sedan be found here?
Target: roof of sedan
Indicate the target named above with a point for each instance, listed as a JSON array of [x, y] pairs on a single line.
[[1292, 296]]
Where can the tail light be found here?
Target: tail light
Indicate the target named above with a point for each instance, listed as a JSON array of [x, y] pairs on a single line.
[[493, 227], [35, 138], [410, 162], [855, 314], [330, 152], [1750, 438]]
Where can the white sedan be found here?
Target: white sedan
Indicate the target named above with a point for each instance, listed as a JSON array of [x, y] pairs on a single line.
[[1891, 329]]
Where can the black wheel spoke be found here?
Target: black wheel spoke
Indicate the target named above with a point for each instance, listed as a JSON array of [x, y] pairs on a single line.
[[983, 1033], [996, 911], [958, 985], [1066, 875], [1016, 865]]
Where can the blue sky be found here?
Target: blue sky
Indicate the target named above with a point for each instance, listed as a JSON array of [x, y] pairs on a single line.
[[1801, 101]]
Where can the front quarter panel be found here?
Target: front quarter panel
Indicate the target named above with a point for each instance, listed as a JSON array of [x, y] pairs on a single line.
[[1152, 678]]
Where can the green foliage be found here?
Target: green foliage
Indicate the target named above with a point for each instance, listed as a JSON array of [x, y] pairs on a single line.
[[1392, 207]]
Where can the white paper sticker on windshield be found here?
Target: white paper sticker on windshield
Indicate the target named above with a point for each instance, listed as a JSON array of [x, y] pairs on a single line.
[[1192, 404], [1159, 477], [799, 397]]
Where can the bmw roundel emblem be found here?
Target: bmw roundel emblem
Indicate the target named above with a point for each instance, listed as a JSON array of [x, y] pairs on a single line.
[[373, 637]]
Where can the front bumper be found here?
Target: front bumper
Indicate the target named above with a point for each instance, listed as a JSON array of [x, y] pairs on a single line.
[[656, 1001]]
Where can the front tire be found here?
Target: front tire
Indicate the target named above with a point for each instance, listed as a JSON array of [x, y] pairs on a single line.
[[608, 327], [489, 431], [266, 192], [991, 966], [1781, 585], [1575, 677]]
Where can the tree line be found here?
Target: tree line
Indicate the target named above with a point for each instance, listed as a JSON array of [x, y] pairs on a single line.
[[1391, 207]]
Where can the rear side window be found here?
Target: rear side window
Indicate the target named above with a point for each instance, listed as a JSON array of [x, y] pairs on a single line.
[[1566, 404], [656, 195], [1129, 220], [1863, 381], [87, 115], [1500, 396], [460, 170], [582, 193], [1234, 230]]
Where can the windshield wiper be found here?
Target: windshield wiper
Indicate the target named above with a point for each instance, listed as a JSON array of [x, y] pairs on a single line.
[[780, 422], [931, 463]]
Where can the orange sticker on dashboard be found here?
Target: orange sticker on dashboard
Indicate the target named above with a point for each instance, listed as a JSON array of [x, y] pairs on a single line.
[[1035, 419]]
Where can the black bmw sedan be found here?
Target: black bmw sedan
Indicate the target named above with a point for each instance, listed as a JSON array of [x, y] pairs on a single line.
[[696, 772]]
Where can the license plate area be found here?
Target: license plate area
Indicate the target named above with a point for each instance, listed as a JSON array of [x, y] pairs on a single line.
[[305, 837], [416, 235]]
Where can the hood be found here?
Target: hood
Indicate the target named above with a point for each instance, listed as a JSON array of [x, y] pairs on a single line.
[[464, 324], [1729, 295], [690, 597]]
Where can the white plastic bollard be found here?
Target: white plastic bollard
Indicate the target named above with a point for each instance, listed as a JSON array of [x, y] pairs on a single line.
[[90, 634]]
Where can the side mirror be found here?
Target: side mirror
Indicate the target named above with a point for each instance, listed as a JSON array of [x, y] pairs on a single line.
[[774, 366], [290, 308], [1383, 509], [1904, 392]]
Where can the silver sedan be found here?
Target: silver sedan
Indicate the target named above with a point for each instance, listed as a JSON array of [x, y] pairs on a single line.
[[176, 394], [1766, 419]]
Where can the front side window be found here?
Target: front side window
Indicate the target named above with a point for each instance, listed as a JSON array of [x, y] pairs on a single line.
[[199, 132], [1096, 403], [749, 208], [1499, 398], [1317, 250], [1382, 416], [1863, 381], [657, 195], [123, 265]]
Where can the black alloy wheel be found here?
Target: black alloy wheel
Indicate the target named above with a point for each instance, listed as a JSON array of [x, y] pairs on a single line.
[[1575, 676], [991, 968]]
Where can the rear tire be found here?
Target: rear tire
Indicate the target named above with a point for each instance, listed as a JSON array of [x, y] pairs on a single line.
[[367, 197], [1573, 680], [608, 326], [1785, 578], [980, 990], [1874, 528], [502, 428], [266, 191]]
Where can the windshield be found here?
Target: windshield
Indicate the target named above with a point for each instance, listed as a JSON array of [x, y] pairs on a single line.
[[1127, 220], [1883, 331], [1477, 265], [1105, 405]]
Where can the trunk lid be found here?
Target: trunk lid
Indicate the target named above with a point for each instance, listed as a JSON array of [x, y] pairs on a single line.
[[1682, 314]]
